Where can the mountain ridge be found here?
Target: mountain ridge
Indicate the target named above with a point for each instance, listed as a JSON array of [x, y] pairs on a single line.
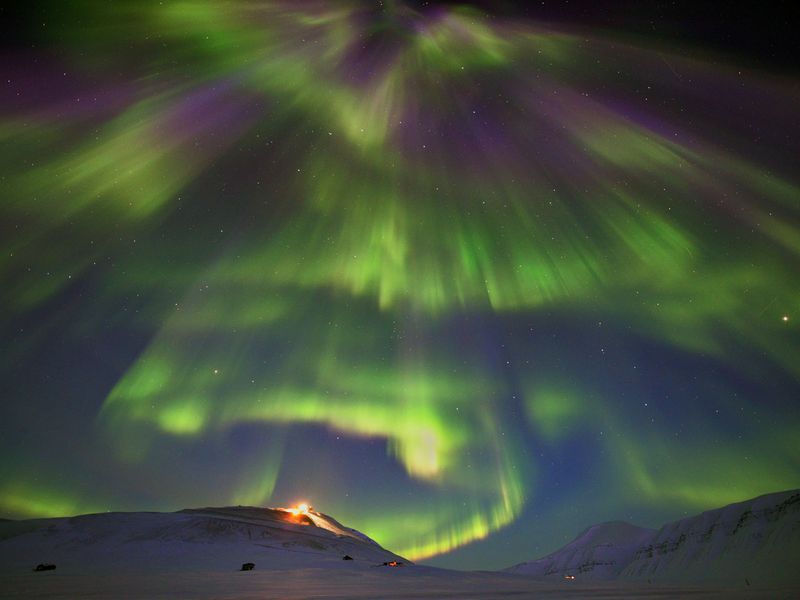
[[756, 540], [211, 538]]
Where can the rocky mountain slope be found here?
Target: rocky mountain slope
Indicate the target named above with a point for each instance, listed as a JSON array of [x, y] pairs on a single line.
[[752, 542], [757, 540]]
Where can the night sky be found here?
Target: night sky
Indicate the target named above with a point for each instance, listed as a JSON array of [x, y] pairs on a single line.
[[467, 279]]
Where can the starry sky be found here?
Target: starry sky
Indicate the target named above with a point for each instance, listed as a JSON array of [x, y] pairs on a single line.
[[469, 280]]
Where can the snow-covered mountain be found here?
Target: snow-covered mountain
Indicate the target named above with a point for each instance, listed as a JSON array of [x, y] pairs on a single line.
[[298, 553], [752, 542], [757, 540], [599, 552], [193, 539]]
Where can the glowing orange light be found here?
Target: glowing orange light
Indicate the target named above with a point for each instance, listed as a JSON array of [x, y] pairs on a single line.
[[300, 509]]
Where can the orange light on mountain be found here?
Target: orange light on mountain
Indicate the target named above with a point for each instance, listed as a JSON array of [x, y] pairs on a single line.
[[300, 509]]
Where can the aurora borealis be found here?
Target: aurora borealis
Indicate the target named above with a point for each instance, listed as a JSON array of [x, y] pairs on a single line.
[[467, 283]]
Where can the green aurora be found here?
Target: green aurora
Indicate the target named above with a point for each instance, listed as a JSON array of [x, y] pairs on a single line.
[[318, 222]]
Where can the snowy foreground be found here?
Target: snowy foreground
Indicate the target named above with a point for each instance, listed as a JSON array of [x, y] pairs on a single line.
[[297, 554], [354, 582]]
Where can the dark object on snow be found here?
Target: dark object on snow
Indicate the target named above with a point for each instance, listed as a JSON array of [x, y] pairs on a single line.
[[248, 566], [44, 567], [393, 563], [347, 557]]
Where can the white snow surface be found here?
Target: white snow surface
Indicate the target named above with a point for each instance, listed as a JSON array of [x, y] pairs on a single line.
[[198, 554], [599, 553], [755, 542], [199, 539]]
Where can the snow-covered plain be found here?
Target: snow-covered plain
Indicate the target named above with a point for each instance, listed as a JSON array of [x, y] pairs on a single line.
[[198, 554], [355, 582]]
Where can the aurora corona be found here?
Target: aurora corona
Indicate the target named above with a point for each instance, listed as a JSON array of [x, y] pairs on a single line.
[[438, 272]]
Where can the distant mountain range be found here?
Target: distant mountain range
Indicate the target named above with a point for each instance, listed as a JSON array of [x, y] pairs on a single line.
[[192, 539], [752, 542]]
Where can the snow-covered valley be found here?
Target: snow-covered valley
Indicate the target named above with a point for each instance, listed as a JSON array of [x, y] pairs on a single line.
[[199, 553]]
